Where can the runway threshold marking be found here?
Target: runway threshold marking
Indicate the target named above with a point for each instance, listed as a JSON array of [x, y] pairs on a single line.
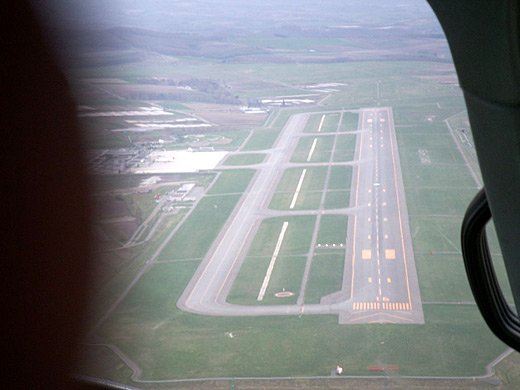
[[273, 261], [321, 122], [393, 306], [298, 188], [311, 152]]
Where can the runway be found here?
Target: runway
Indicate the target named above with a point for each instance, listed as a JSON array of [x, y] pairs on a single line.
[[379, 281], [383, 284]]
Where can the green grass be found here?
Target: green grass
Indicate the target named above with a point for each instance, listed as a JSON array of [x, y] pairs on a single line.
[[232, 181], [439, 201], [245, 159], [441, 176], [261, 139], [325, 277], [430, 155], [198, 232], [287, 274], [435, 233], [345, 148], [305, 201], [333, 229], [337, 199], [442, 278], [312, 123], [340, 177], [321, 151], [168, 343], [296, 241], [330, 123], [349, 121], [314, 179]]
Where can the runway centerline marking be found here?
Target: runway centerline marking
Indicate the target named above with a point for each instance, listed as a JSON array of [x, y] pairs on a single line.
[[273, 261], [298, 188]]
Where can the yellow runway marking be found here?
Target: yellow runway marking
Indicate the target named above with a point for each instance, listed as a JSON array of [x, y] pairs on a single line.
[[369, 280], [390, 254], [386, 235], [385, 219], [369, 237], [366, 254], [388, 280]]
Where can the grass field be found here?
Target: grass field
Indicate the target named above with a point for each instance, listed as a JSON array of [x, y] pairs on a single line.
[[296, 241], [245, 159], [333, 229], [321, 152], [235, 181], [288, 270], [325, 277], [329, 123], [340, 178], [349, 122], [196, 235], [314, 179], [169, 343], [286, 276], [261, 139], [337, 199], [345, 147]]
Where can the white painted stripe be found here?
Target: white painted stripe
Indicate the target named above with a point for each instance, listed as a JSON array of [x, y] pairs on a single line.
[[312, 149], [271, 264], [298, 188], [321, 122]]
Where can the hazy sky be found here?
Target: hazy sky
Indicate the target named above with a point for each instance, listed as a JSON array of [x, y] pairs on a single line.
[[208, 15]]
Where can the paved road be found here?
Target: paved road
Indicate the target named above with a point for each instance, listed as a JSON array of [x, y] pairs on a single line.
[[380, 225]]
